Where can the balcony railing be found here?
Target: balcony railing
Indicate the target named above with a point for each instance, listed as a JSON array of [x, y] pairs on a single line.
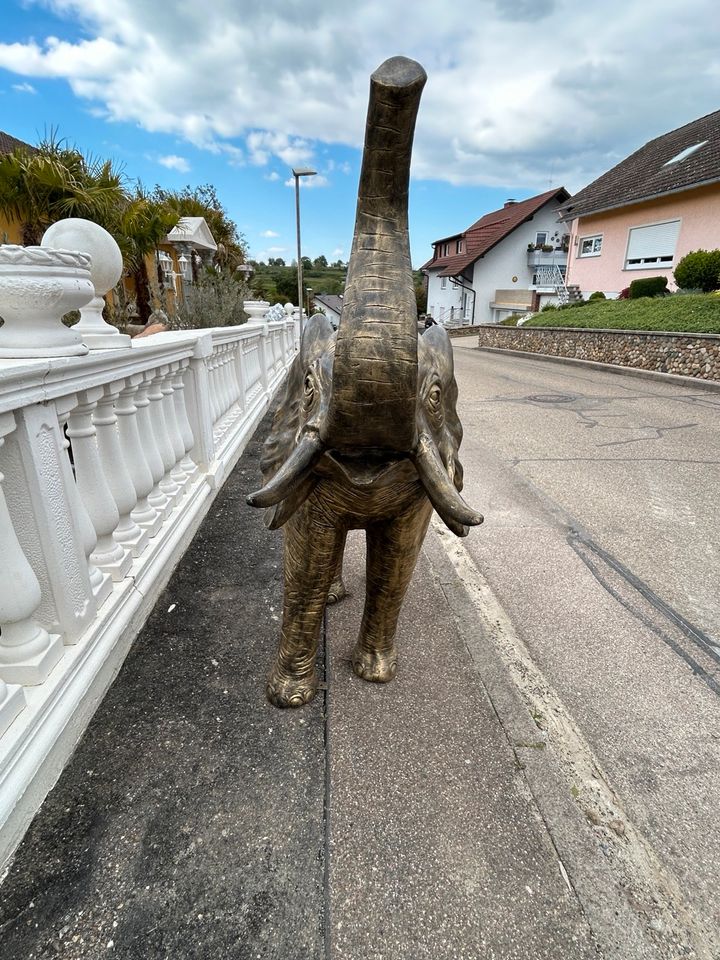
[[537, 258], [108, 464]]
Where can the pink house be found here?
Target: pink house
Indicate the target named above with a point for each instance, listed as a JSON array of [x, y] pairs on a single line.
[[640, 218]]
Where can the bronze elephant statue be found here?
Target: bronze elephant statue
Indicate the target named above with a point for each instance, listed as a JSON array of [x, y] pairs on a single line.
[[366, 435]]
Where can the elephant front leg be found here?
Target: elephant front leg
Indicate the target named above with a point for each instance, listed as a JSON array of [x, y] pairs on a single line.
[[392, 551], [337, 591], [312, 546]]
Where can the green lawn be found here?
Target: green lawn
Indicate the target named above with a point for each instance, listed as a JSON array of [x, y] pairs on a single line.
[[695, 313]]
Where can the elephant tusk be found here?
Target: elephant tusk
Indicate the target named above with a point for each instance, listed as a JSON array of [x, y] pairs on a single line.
[[293, 471], [451, 507]]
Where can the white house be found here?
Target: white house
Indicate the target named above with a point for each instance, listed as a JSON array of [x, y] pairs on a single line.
[[510, 261], [330, 304]]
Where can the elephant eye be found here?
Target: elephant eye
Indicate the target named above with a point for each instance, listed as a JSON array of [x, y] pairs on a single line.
[[434, 396], [309, 388]]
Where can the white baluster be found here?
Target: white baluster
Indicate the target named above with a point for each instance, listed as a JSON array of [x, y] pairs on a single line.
[[109, 555], [12, 701], [112, 457], [232, 374], [101, 583], [227, 384], [156, 498], [27, 652], [182, 418], [160, 429], [214, 394], [176, 441], [144, 514]]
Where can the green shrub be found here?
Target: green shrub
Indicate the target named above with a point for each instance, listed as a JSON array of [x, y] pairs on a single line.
[[598, 295], [699, 269], [648, 287], [571, 304], [549, 306]]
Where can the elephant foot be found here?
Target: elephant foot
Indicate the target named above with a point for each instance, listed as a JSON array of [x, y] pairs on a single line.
[[337, 591], [373, 665], [283, 691]]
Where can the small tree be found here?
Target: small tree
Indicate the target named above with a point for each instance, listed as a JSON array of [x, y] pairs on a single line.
[[699, 270]]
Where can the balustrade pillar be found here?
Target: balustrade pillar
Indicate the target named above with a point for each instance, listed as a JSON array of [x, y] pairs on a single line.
[[156, 498], [162, 437], [27, 652], [100, 583], [144, 513], [212, 366], [109, 555], [112, 456], [198, 402], [181, 416]]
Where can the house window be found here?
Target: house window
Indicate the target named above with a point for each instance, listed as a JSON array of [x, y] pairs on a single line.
[[443, 283], [541, 238], [652, 246], [446, 249], [458, 246], [590, 246], [685, 153]]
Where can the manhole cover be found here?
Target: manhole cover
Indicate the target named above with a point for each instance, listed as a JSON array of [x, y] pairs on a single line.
[[551, 398]]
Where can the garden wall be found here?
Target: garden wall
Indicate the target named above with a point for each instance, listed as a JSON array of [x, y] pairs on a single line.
[[690, 355]]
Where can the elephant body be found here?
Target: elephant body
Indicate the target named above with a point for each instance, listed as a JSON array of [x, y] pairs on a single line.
[[366, 435]]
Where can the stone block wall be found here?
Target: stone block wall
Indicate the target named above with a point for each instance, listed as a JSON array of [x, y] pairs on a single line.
[[690, 355], [462, 331]]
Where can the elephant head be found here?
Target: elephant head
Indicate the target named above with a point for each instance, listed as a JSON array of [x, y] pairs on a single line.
[[373, 400]]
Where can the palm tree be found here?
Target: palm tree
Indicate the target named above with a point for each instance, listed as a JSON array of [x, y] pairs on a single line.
[[56, 181], [141, 224]]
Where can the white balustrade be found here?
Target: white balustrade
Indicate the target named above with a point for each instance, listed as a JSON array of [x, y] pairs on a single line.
[[144, 513], [112, 459], [100, 583], [108, 555], [162, 435]]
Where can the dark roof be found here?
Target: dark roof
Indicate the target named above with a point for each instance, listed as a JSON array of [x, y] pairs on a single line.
[[8, 143], [489, 230], [646, 173], [333, 301]]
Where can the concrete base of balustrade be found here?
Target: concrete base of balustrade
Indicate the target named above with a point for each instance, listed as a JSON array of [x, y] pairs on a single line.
[[43, 735], [12, 701], [35, 669]]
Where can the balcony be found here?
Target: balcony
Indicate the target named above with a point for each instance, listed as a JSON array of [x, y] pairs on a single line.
[[541, 257]]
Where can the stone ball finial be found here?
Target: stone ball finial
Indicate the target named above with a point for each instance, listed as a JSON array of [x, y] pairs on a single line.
[[289, 308], [88, 237]]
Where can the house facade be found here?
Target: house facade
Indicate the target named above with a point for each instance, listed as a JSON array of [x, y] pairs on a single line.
[[641, 217], [330, 304], [11, 230], [511, 260]]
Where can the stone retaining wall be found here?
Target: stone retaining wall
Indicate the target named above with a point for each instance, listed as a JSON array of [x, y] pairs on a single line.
[[687, 354], [462, 331]]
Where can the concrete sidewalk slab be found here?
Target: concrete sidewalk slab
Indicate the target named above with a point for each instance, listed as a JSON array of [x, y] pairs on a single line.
[[437, 848]]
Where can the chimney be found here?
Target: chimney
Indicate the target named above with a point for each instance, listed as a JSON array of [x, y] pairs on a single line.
[[510, 202]]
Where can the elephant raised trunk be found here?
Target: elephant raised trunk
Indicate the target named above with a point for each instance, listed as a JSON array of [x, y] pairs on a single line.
[[374, 384]]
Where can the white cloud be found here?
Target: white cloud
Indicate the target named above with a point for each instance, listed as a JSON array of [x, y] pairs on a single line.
[[273, 176], [518, 92], [269, 233], [173, 162], [24, 88]]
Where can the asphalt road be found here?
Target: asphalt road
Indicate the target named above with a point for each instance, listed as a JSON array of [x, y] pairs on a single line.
[[601, 544]]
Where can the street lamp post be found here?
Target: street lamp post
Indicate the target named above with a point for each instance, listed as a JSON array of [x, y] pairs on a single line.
[[297, 173]]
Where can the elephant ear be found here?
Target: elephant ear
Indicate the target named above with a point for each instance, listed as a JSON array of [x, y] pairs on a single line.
[[437, 343], [287, 422]]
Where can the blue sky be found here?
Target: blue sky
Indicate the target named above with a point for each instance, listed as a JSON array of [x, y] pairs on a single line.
[[521, 96]]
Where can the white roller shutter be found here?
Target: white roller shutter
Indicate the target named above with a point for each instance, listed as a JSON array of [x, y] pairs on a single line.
[[652, 244]]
